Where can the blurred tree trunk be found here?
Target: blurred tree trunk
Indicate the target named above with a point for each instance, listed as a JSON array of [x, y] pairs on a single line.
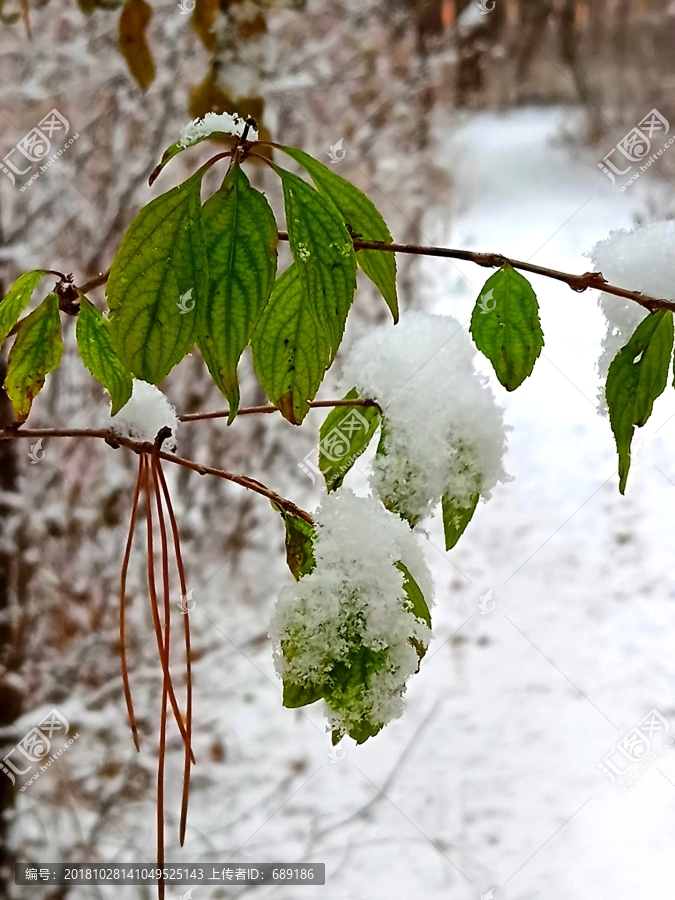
[[532, 21], [474, 44], [597, 26], [621, 29]]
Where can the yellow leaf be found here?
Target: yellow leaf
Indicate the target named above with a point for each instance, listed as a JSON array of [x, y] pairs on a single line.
[[133, 43]]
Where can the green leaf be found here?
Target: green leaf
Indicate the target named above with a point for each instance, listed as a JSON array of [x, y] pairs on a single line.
[[456, 518], [36, 351], [99, 355], [241, 246], [637, 376], [296, 695], [16, 300], [364, 221], [290, 349], [418, 605], [344, 436], [323, 254], [506, 328], [300, 537], [157, 278]]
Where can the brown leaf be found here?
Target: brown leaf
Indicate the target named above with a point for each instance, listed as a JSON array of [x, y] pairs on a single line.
[[203, 17], [133, 43], [25, 13]]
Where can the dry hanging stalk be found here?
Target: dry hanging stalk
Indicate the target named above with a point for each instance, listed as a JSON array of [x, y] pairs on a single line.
[[152, 482]]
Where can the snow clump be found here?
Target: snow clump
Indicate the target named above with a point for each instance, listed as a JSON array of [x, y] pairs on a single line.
[[443, 433], [146, 413], [640, 260], [214, 123], [346, 631]]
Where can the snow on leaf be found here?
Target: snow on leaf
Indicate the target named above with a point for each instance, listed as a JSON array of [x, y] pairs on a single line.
[[442, 432], [456, 518], [353, 627]]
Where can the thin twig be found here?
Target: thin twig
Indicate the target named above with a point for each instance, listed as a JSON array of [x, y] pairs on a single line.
[[186, 629], [145, 447], [167, 652], [579, 283], [154, 606], [123, 588], [259, 410]]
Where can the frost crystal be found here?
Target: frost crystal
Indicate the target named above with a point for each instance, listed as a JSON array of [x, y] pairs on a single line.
[[640, 260], [214, 123], [146, 413], [346, 630], [443, 432]]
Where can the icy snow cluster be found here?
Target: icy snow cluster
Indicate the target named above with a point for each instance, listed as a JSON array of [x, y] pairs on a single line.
[[214, 123], [640, 260], [145, 414], [443, 432], [346, 628]]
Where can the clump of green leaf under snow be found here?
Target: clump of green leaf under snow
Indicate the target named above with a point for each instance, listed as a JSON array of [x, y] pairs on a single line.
[[353, 630], [443, 435]]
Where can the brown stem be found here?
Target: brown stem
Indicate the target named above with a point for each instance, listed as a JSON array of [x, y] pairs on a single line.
[[165, 679], [258, 410], [145, 447], [123, 587], [186, 629], [592, 280], [155, 609]]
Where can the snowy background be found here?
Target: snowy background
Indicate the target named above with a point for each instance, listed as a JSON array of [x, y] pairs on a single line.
[[491, 779]]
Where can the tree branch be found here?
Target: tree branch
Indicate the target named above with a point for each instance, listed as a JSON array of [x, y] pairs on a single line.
[[115, 440], [579, 283], [258, 410]]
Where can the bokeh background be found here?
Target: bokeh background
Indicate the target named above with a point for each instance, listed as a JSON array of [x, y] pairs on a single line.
[[470, 126]]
